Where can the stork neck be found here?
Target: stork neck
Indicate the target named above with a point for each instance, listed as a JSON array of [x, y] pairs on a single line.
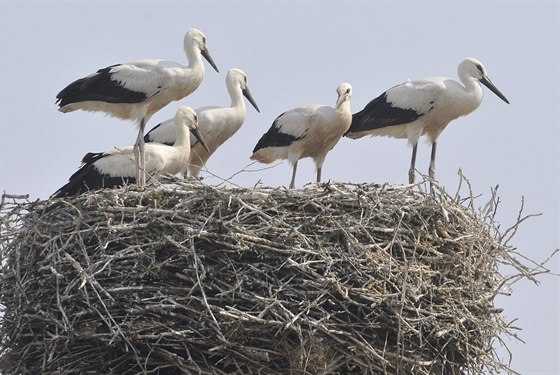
[[344, 107], [236, 96], [472, 85], [183, 135], [195, 59], [474, 91]]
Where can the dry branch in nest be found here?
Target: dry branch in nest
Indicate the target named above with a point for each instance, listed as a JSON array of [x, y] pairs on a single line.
[[189, 278]]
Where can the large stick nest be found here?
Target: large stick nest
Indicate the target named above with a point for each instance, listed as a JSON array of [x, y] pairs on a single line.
[[189, 278]]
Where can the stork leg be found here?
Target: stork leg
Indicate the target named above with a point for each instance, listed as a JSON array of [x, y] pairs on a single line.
[[142, 163], [412, 164], [136, 151], [139, 155], [293, 182], [319, 174], [432, 169]]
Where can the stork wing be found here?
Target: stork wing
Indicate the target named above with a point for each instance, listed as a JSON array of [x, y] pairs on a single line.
[[164, 132], [399, 105], [146, 76], [107, 86], [289, 127], [90, 177]]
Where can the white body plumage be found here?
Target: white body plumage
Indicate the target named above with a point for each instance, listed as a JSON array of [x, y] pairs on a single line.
[[423, 107], [216, 124], [115, 167], [308, 131], [138, 89]]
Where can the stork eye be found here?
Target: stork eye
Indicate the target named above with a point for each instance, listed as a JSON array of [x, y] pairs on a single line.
[[348, 91], [479, 67]]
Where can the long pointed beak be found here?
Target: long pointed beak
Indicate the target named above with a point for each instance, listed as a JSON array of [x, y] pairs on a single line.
[[488, 83], [341, 99], [198, 136], [247, 94], [208, 58]]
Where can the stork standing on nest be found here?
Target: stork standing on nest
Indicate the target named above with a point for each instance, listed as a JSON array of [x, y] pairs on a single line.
[[138, 89], [309, 131], [117, 167], [423, 107], [216, 124]]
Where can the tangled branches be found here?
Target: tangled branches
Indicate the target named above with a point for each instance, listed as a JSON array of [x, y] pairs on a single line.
[[188, 278]]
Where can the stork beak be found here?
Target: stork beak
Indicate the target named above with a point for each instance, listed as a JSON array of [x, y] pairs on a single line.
[[488, 83], [208, 58], [247, 94], [198, 136], [341, 99]]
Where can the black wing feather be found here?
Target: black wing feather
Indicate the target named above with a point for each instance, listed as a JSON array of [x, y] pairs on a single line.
[[87, 177], [98, 87], [379, 113], [148, 136], [275, 138]]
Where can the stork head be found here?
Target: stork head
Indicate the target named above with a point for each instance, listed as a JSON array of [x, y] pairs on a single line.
[[344, 91], [237, 78], [186, 116], [195, 38], [471, 68]]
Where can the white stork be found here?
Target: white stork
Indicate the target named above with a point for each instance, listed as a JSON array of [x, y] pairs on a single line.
[[117, 167], [216, 124], [423, 107], [138, 89], [309, 131]]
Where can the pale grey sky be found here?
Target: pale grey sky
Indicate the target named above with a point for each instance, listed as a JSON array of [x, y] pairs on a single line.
[[295, 53]]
